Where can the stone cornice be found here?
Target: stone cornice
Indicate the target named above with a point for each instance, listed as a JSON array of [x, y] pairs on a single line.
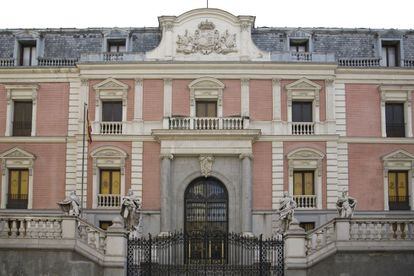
[[166, 134]]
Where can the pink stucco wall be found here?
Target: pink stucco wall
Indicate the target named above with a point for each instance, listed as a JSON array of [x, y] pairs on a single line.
[[232, 98], [151, 176], [366, 177], [125, 146], [291, 146], [261, 100], [153, 100], [48, 172], [262, 176], [363, 110], [180, 98]]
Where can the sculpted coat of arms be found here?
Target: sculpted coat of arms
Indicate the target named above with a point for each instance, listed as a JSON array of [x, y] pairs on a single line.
[[206, 40]]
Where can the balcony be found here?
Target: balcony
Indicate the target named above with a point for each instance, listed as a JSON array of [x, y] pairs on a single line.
[[303, 128], [109, 201], [359, 62], [208, 123], [42, 62], [7, 62], [114, 128], [302, 57], [305, 201]]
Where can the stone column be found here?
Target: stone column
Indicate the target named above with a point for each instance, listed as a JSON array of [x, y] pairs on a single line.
[[247, 193], [165, 193]]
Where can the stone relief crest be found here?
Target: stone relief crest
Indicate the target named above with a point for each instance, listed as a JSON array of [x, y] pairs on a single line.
[[206, 164], [206, 40]]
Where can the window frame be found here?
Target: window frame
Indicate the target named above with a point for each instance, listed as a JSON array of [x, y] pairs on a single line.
[[391, 133], [33, 48], [295, 102], [111, 171], [303, 172], [298, 42], [110, 42], [206, 104], [206, 89], [14, 129], [19, 170], [387, 43], [397, 173]]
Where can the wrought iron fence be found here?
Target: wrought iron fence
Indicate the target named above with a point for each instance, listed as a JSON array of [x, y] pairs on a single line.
[[205, 254]]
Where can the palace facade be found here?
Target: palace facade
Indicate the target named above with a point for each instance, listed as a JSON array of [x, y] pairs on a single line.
[[208, 120]]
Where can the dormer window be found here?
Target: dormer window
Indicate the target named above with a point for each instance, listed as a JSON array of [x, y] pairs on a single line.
[[299, 45], [28, 53], [390, 55], [116, 45]]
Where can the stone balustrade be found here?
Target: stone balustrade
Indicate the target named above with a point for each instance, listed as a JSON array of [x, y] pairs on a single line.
[[359, 62], [381, 229], [7, 62], [303, 128], [320, 237], [31, 227], [109, 200], [305, 201], [207, 123], [301, 56], [92, 236], [110, 128], [408, 63], [57, 62], [112, 57]]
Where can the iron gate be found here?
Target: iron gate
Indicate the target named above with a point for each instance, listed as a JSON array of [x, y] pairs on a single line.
[[224, 254]]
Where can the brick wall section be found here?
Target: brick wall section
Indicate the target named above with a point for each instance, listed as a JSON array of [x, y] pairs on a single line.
[[363, 110], [181, 97], [52, 109], [262, 176], [322, 99], [366, 177], [130, 98], [48, 172], [151, 176], [261, 100], [3, 110], [291, 146], [125, 146], [232, 98], [153, 100]]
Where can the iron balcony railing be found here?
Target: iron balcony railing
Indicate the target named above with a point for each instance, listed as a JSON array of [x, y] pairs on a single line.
[[399, 202], [17, 201]]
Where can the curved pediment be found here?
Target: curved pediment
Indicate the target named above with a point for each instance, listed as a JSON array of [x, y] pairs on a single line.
[[206, 83], [108, 152], [207, 34], [305, 153]]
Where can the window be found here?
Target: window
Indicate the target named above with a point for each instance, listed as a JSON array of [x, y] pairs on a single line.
[[110, 182], [18, 189], [303, 183], [398, 198], [308, 226], [302, 112], [112, 111], [390, 53], [28, 53], [105, 224], [394, 114], [22, 118], [298, 45], [116, 46], [206, 109]]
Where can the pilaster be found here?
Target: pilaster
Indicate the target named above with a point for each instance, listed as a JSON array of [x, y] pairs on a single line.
[[166, 160], [277, 173], [247, 192], [245, 95]]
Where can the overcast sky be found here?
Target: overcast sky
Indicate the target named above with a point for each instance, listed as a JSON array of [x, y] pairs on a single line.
[[144, 13]]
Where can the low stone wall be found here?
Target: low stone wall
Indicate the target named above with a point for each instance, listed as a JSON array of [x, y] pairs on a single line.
[[46, 262], [376, 263]]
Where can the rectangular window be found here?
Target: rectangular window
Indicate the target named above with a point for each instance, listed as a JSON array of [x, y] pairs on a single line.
[[308, 226], [18, 189], [390, 53], [105, 224], [116, 46], [110, 182], [298, 45], [22, 118], [206, 109], [398, 198], [303, 183], [394, 114], [112, 111], [302, 112], [28, 53]]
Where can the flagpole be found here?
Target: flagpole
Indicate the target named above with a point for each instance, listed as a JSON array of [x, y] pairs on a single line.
[[83, 150]]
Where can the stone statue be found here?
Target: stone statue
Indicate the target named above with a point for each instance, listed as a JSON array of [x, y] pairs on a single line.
[[131, 211], [71, 205], [286, 211], [346, 205]]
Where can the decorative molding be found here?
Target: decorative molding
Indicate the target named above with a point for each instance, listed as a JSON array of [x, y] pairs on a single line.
[[206, 164], [108, 156], [166, 156], [246, 155], [206, 88], [206, 40]]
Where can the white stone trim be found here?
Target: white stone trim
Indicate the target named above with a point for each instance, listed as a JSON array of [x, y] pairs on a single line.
[[307, 159], [136, 168], [340, 108], [107, 157], [110, 89], [277, 174], [403, 161], [245, 97], [138, 99], [343, 175], [331, 174], [304, 89], [276, 94], [167, 110], [16, 158], [20, 92], [206, 88], [397, 93]]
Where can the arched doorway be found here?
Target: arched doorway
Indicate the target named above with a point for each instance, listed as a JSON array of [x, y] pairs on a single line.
[[206, 220]]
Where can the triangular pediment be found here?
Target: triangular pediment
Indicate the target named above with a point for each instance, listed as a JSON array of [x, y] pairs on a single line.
[[305, 153], [16, 153], [399, 155], [109, 152], [303, 84], [110, 84]]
